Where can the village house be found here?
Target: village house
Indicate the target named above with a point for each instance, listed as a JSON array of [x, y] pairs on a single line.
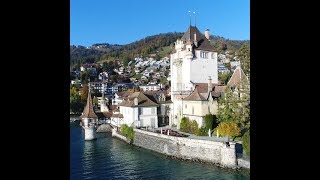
[[202, 101], [138, 111], [163, 99]]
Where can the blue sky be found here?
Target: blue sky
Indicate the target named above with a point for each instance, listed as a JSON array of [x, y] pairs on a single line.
[[125, 21]]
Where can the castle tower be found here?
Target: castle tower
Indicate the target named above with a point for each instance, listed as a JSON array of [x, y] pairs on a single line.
[[89, 119], [192, 62]]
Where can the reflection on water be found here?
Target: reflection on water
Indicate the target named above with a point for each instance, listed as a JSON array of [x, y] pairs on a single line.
[[109, 158], [88, 159]]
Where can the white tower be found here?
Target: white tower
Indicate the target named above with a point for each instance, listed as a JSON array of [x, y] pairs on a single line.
[[193, 61], [89, 119]]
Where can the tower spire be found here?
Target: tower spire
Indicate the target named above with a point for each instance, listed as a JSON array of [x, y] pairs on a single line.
[[189, 17], [88, 111]]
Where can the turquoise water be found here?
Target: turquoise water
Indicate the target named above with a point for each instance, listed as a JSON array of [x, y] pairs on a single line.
[[109, 158]]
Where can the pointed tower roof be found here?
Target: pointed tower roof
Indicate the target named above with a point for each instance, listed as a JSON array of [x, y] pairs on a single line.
[[88, 111], [203, 42], [237, 76]]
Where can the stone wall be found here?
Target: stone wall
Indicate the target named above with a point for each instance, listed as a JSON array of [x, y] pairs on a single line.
[[243, 163], [104, 128], [186, 148]]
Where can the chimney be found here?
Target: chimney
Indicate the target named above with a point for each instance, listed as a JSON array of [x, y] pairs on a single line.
[[195, 40], [135, 101], [207, 34], [209, 84]]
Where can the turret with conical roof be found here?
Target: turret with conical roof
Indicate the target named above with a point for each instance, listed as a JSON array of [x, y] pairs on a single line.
[[88, 111], [89, 117]]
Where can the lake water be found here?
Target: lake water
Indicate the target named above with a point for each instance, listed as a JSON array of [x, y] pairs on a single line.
[[110, 158]]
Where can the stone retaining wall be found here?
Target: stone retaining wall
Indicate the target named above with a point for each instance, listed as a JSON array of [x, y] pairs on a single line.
[[186, 148]]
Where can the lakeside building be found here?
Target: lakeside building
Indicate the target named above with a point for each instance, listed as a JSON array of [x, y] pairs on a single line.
[[193, 63]]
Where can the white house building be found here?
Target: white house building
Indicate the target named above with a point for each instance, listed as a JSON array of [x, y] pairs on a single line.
[[139, 111], [192, 62], [150, 87]]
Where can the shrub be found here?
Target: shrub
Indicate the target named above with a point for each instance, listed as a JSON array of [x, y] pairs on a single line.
[[127, 131], [210, 122], [246, 142], [188, 126], [184, 124], [228, 129], [193, 127], [202, 132]]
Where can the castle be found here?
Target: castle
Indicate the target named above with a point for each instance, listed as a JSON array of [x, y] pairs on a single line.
[[194, 76]]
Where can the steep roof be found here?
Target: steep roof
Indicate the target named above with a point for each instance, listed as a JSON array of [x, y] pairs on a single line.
[[203, 87], [218, 90], [237, 76], [203, 42], [196, 96], [154, 96], [88, 111], [201, 92], [143, 100]]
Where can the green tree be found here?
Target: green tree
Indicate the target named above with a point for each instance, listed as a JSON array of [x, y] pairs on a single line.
[[210, 122], [224, 77], [184, 124], [243, 55], [127, 131], [75, 101], [193, 127], [189, 126], [234, 105]]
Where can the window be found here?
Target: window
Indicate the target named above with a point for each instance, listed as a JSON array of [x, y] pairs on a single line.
[[192, 110], [152, 111], [204, 55], [185, 106]]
